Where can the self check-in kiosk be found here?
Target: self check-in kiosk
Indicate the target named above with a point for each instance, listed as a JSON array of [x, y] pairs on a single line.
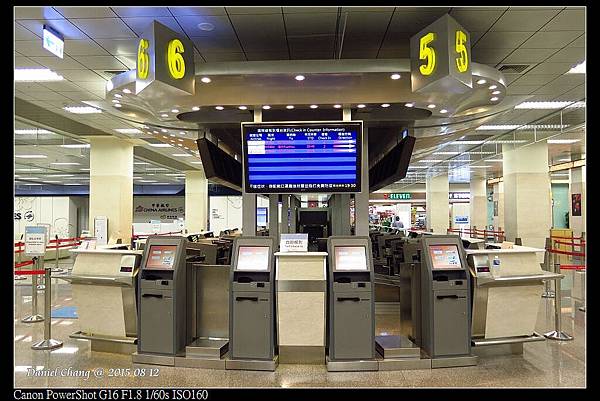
[[351, 315], [444, 328], [252, 303], [163, 317]]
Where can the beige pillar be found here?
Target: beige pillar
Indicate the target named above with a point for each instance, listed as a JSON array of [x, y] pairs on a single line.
[[498, 199], [478, 203], [437, 205], [196, 201], [111, 185], [527, 194], [577, 186]]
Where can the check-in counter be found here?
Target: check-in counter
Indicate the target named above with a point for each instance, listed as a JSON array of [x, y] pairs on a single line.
[[508, 285], [104, 285], [301, 285]]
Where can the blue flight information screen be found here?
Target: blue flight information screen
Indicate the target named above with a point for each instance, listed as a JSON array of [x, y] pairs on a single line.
[[302, 158]]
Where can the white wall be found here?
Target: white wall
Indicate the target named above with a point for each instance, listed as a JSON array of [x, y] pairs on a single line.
[[226, 212], [164, 208], [59, 212], [460, 210]]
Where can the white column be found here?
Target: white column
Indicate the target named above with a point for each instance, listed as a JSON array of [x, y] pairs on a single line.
[[196, 201], [437, 206], [478, 203], [577, 186], [111, 185], [527, 194], [498, 199]]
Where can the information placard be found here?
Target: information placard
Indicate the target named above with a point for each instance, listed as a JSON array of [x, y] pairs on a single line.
[[35, 240], [294, 243]]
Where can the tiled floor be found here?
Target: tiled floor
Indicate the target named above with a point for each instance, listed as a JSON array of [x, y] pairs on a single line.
[[543, 364]]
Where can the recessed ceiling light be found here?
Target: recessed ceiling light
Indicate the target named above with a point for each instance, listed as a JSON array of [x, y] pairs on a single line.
[[118, 95], [562, 141], [141, 163], [160, 145], [28, 169], [164, 115], [32, 131], [289, 107], [395, 76], [431, 106], [205, 26], [82, 109], [163, 130], [196, 162], [182, 155], [175, 111], [117, 105], [409, 104], [313, 106], [494, 99], [266, 107], [76, 145], [84, 169], [361, 106], [36, 75], [31, 156], [385, 105], [65, 164], [481, 81], [496, 92], [115, 100], [172, 134], [299, 77], [492, 87], [195, 108], [443, 111], [578, 69], [337, 106], [179, 144], [206, 80], [542, 105], [242, 107], [180, 140], [182, 133], [128, 130], [219, 107], [126, 91]]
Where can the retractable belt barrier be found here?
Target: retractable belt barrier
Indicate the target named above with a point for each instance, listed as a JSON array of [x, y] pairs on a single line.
[[475, 233], [138, 236]]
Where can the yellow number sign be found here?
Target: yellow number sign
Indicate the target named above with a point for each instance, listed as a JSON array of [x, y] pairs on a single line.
[[175, 59], [462, 61], [427, 53], [143, 63]]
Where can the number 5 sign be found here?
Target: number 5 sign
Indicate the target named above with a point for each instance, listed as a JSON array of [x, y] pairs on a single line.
[[165, 61], [440, 57]]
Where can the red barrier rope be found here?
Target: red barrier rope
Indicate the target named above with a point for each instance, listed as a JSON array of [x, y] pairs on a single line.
[[29, 272], [147, 235], [572, 267], [19, 265], [561, 252], [569, 243]]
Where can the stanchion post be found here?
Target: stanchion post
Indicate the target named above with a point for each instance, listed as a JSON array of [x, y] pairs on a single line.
[[547, 289], [57, 269], [34, 317], [557, 333], [47, 342]]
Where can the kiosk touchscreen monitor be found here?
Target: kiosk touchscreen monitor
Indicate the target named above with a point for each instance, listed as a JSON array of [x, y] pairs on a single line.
[[444, 257], [161, 257], [253, 258], [351, 258]]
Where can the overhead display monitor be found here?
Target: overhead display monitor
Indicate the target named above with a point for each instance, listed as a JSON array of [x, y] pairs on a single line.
[[253, 258], [351, 258], [445, 257], [262, 216], [161, 257], [302, 157]]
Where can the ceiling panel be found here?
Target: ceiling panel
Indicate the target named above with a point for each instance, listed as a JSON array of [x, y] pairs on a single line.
[[394, 53], [543, 40], [311, 55], [22, 33], [216, 44], [530, 79], [554, 88], [567, 20], [270, 36], [86, 12], [579, 42], [309, 24], [177, 11], [489, 56], [129, 61], [49, 96], [551, 68], [574, 79], [521, 89], [267, 55], [476, 20], [311, 10], [323, 43], [502, 40], [31, 48], [25, 62], [569, 54], [523, 21], [36, 13], [222, 56], [359, 53], [221, 25], [141, 24], [80, 75], [253, 10], [104, 28], [61, 86], [81, 96], [120, 46], [145, 11], [66, 28], [410, 22], [84, 47], [101, 62], [529, 55]]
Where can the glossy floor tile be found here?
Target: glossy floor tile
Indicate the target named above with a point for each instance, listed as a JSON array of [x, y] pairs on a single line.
[[542, 364]]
